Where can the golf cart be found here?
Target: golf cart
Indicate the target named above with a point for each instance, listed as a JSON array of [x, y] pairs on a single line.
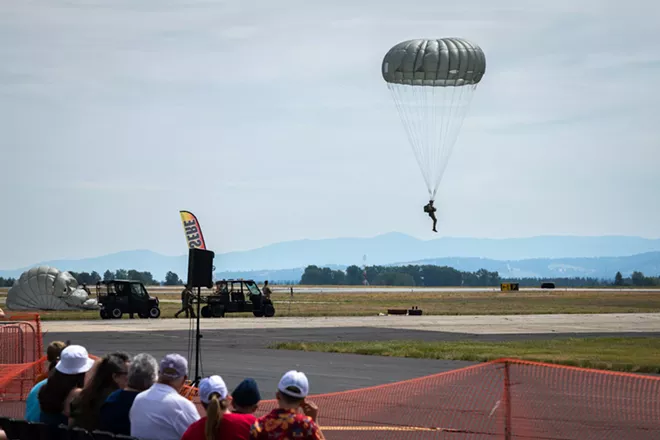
[[235, 296], [116, 297]]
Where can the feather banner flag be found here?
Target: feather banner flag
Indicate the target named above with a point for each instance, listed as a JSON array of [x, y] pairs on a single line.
[[192, 230]]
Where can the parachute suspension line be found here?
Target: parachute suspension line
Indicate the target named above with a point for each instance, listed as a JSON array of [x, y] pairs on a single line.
[[452, 116], [397, 92], [432, 118]]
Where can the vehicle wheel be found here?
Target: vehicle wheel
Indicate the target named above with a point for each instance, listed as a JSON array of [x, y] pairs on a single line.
[[104, 314], [269, 310], [258, 313], [116, 313], [206, 312], [154, 312]]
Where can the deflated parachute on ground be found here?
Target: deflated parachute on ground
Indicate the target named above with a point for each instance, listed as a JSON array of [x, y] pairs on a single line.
[[48, 288], [432, 83]]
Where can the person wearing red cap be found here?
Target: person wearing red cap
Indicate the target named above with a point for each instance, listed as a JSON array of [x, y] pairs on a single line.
[[285, 422]]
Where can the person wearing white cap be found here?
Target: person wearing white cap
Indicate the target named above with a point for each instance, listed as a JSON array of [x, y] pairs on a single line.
[[161, 413], [68, 375], [285, 421], [219, 423]]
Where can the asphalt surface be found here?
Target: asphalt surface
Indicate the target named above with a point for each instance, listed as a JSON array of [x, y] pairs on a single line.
[[477, 324], [236, 354]]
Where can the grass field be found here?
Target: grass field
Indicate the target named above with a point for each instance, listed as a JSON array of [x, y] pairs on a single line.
[[431, 303], [620, 354]]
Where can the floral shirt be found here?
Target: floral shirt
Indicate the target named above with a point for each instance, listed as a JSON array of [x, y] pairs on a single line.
[[282, 424]]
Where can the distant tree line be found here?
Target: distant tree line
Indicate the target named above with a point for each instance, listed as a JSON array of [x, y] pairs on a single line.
[[426, 275], [637, 279], [410, 275], [560, 282], [7, 282], [444, 276], [121, 274]]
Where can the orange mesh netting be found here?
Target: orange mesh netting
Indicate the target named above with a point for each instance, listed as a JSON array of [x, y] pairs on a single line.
[[503, 399], [558, 402], [16, 381]]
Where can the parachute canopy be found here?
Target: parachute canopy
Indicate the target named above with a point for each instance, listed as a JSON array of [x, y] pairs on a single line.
[[48, 288], [432, 83]]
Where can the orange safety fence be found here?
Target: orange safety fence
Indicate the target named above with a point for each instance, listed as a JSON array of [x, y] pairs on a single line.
[[21, 341]]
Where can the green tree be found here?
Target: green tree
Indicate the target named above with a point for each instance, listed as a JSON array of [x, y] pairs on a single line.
[[7, 282], [172, 279], [638, 278], [353, 275], [121, 274], [618, 279], [394, 279], [95, 277]]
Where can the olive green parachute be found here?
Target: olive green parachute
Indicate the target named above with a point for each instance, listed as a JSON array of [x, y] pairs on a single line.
[[432, 83]]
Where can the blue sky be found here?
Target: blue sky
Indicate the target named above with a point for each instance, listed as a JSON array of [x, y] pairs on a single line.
[[271, 122]]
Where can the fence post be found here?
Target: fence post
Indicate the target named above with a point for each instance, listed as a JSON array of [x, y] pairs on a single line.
[[507, 402], [40, 345]]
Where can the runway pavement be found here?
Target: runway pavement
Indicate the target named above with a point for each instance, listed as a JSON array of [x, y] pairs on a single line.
[[237, 348], [478, 324]]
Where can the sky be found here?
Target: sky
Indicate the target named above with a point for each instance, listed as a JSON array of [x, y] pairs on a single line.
[[271, 122]]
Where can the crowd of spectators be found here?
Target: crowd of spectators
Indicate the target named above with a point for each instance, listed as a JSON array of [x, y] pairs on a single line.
[[142, 398]]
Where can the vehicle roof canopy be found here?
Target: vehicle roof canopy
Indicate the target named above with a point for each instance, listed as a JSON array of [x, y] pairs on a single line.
[[121, 281], [235, 280]]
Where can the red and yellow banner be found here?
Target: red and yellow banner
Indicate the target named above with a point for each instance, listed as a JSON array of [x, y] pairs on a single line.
[[192, 230]]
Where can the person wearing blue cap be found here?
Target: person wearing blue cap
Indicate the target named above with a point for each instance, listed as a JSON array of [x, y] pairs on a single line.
[[246, 397]]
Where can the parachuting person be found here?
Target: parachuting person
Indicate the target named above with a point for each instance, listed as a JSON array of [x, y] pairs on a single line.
[[430, 209], [432, 82]]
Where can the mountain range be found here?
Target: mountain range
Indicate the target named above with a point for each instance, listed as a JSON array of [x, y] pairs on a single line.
[[543, 256]]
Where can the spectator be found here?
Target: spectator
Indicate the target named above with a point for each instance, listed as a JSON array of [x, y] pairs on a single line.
[[111, 375], [32, 411], [3, 436], [69, 373], [285, 422], [246, 397], [53, 355], [76, 391], [219, 422], [161, 413], [142, 374]]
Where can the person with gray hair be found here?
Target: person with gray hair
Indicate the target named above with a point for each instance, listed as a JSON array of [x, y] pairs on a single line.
[[161, 413], [142, 374]]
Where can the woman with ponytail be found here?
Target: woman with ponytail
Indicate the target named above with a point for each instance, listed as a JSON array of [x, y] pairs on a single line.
[[219, 423]]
